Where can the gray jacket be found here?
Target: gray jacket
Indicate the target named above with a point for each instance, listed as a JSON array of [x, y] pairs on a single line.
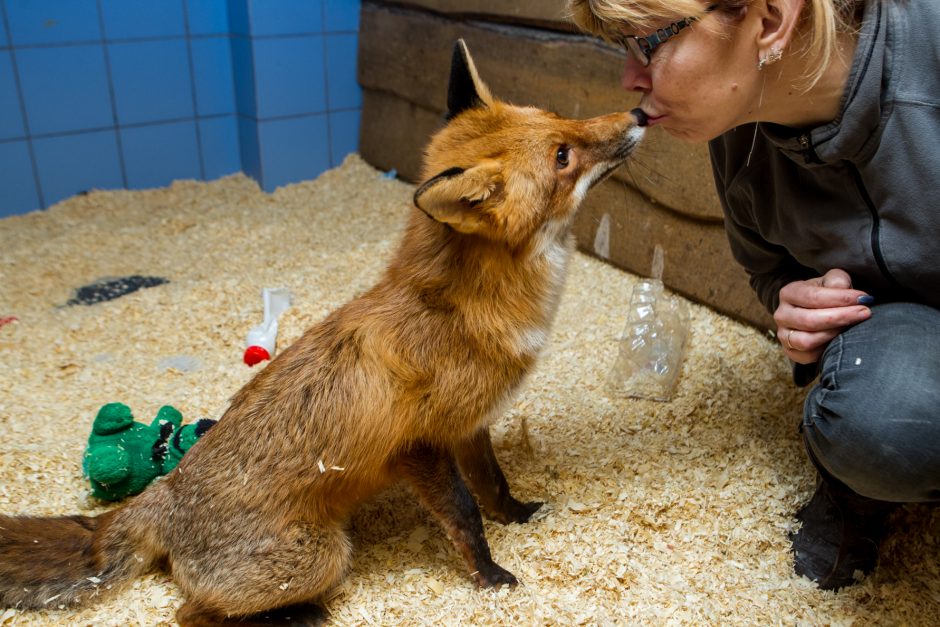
[[861, 193]]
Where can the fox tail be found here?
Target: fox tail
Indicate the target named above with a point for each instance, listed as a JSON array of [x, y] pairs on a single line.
[[48, 562]]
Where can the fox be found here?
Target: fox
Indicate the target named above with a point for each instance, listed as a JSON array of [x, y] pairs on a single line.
[[400, 384]]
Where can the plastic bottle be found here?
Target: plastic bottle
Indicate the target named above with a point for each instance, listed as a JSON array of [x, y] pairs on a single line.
[[652, 346], [262, 339]]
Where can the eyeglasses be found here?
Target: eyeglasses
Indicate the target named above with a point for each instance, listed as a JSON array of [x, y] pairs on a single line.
[[642, 47]]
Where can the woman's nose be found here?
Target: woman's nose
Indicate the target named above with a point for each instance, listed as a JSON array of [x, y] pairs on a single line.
[[635, 76]]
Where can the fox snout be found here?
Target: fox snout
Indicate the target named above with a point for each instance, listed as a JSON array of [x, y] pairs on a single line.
[[614, 136], [631, 139], [606, 144]]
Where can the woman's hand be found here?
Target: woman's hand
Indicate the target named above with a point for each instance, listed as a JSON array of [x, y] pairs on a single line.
[[813, 312]]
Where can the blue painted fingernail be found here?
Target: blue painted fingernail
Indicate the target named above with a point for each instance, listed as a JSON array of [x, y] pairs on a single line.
[[866, 300]]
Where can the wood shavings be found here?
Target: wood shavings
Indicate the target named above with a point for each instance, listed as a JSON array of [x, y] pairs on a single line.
[[655, 513]]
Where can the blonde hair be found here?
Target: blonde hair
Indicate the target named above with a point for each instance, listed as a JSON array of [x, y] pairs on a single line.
[[822, 22]]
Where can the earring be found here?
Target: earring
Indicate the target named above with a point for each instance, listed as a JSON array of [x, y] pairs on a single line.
[[773, 55]]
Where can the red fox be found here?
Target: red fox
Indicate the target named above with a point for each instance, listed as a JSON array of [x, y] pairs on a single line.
[[400, 383]]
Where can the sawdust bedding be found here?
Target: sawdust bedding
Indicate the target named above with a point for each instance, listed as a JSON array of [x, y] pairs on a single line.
[[656, 513]]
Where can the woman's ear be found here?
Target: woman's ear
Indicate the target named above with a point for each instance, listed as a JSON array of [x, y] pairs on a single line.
[[779, 20]]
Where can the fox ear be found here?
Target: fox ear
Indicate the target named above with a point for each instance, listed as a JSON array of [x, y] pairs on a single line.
[[453, 197], [466, 90]]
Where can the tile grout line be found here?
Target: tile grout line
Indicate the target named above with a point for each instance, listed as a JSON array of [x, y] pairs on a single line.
[[30, 149], [132, 125], [326, 85], [192, 89], [111, 96], [253, 78]]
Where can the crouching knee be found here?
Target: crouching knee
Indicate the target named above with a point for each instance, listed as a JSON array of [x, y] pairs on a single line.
[[888, 454]]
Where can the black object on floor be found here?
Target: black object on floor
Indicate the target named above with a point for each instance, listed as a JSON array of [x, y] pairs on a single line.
[[841, 534], [109, 289]]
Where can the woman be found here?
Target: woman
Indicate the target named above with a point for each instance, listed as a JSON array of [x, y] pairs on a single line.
[[823, 121]]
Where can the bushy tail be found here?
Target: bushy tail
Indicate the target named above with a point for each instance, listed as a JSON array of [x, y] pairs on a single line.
[[47, 562]]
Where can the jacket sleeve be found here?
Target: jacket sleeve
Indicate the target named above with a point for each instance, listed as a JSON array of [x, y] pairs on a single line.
[[769, 266]]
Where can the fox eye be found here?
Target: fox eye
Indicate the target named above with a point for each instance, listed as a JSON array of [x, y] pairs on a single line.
[[561, 157]]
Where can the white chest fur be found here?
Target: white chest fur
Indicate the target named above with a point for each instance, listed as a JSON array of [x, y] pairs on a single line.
[[551, 255]]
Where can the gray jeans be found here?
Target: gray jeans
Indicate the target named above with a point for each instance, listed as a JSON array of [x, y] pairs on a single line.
[[873, 419]]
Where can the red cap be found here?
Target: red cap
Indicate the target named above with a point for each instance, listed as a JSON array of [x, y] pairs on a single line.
[[255, 355]]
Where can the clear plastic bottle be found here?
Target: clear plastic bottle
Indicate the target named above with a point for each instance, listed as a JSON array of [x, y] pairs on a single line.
[[653, 343]]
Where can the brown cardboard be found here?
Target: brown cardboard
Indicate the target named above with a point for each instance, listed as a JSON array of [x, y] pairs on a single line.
[[548, 13]]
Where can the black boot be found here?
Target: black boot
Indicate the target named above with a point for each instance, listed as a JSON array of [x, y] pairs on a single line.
[[840, 535]]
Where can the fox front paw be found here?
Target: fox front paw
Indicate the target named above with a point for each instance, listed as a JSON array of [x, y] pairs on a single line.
[[494, 575]]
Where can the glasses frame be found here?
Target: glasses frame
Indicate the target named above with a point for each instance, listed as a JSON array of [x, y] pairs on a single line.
[[642, 47]]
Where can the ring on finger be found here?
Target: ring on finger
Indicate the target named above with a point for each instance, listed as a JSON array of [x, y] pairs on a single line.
[[789, 335]]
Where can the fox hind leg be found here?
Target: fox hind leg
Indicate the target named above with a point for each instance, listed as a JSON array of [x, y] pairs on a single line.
[[480, 468], [277, 585], [192, 614], [434, 475]]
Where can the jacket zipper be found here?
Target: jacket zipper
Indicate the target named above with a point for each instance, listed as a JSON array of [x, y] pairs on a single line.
[[876, 224]]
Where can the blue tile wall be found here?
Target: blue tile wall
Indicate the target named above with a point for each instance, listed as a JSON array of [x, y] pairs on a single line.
[[207, 17], [157, 154], [341, 16], [212, 76], [11, 113], [344, 134], [238, 20], [137, 93], [342, 89], [289, 76], [293, 149], [284, 17], [17, 179], [69, 164], [33, 22], [138, 19], [243, 73], [64, 89], [250, 151], [220, 147], [151, 81]]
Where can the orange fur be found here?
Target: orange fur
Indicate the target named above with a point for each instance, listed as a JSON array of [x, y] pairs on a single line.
[[400, 383]]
